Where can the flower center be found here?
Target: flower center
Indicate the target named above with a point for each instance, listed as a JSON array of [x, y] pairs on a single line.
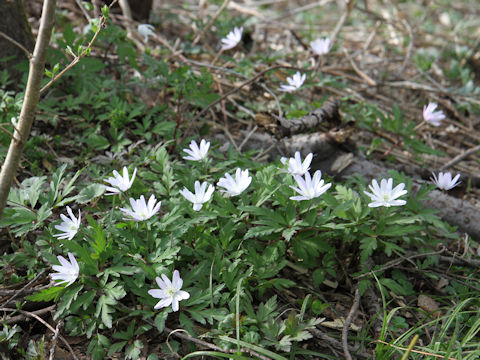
[[171, 291]]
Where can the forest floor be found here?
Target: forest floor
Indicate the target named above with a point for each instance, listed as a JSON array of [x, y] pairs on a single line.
[[388, 59]]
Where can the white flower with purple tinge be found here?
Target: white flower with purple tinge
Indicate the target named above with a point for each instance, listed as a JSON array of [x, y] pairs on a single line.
[[308, 187], [196, 153], [146, 30], [141, 210], [201, 196], [232, 39], [67, 271], [321, 46], [234, 187], [294, 82], [69, 226], [445, 181], [120, 183], [384, 195], [169, 291], [295, 165], [431, 116]]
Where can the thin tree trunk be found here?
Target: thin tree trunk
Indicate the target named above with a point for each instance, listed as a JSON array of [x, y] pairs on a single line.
[[32, 95], [14, 27]]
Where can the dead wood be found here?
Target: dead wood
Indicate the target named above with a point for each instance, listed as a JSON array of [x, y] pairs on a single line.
[[327, 113]]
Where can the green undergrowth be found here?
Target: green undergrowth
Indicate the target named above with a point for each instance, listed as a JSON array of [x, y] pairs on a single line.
[[262, 270]]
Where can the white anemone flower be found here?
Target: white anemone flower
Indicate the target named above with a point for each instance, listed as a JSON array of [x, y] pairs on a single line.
[[67, 271], [431, 116], [384, 195], [232, 39], [141, 210], [69, 226], [445, 181], [146, 30], [201, 196], [120, 183], [294, 82], [309, 188], [234, 187], [169, 291], [196, 153], [295, 165], [320, 46]]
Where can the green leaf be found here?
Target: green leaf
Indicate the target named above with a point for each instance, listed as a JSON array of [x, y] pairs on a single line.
[[105, 11], [84, 300], [116, 347], [104, 309], [259, 231], [89, 193], [133, 351], [160, 321], [69, 296], [99, 244], [368, 245], [318, 276], [288, 233], [52, 293]]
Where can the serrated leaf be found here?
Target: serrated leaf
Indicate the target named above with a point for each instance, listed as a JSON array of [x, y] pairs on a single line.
[[104, 310], [160, 321], [70, 295], [116, 347], [259, 231], [84, 300], [47, 294], [368, 245]]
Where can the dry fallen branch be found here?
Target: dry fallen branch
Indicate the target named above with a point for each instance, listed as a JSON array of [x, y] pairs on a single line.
[[348, 321], [36, 316], [327, 113]]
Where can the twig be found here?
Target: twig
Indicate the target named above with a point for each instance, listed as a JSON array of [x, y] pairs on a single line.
[[19, 292], [210, 23], [409, 49], [348, 321], [341, 22], [460, 157], [235, 89], [54, 340], [83, 10], [398, 261], [47, 325], [364, 76], [16, 43], [174, 52], [337, 344], [247, 137], [18, 318], [76, 58]]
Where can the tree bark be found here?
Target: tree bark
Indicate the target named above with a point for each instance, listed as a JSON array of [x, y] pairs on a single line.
[[14, 24], [32, 95]]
